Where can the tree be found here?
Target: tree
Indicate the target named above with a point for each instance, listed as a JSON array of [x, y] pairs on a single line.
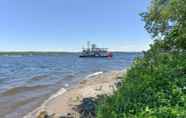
[[154, 86], [167, 19]]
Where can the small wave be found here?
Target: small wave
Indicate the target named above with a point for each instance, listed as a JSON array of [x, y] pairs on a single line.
[[69, 76], [58, 93], [20, 89], [42, 107], [7, 55], [94, 74], [39, 77]]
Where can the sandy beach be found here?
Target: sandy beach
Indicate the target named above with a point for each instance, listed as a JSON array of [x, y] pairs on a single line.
[[65, 101]]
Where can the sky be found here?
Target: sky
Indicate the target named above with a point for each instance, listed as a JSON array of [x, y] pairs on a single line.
[[67, 25]]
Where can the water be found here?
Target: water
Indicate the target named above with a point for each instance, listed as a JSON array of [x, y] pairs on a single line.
[[26, 81]]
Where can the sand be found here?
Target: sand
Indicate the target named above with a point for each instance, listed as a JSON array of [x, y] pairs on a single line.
[[65, 101]]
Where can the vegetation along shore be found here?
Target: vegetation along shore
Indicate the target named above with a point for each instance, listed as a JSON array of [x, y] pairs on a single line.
[[153, 87]]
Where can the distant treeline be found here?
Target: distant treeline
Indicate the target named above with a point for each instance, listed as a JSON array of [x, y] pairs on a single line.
[[30, 53]]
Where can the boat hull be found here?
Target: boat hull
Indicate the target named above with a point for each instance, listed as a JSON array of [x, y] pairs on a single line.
[[83, 56]]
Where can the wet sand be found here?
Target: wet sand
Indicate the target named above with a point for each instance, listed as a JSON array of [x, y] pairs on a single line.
[[64, 101]]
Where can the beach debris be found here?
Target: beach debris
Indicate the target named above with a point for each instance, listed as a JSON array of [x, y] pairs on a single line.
[[99, 89], [76, 99], [94, 74], [68, 115], [44, 114], [87, 108], [83, 81], [118, 83]]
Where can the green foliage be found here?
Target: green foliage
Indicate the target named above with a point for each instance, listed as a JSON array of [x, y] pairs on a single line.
[[152, 88], [155, 86]]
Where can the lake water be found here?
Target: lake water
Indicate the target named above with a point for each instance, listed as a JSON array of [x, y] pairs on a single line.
[[26, 81]]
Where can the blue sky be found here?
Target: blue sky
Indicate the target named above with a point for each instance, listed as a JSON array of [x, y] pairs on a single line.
[[66, 25]]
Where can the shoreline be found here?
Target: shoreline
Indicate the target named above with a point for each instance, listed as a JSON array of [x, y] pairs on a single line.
[[64, 101]]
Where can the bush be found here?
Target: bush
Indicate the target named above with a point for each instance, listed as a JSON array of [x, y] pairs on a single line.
[[155, 85]]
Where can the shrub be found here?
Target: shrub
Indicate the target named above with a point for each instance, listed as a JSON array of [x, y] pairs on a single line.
[[155, 85]]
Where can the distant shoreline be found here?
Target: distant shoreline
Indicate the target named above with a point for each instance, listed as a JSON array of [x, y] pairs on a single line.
[[30, 53]]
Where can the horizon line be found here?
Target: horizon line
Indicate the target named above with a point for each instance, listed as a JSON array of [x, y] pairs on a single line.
[[57, 51]]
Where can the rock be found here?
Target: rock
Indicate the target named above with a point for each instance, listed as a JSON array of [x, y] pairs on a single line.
[[118, 83], [99, 89], [67, 115], [44, 114], [83, 81], [87, 108]]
